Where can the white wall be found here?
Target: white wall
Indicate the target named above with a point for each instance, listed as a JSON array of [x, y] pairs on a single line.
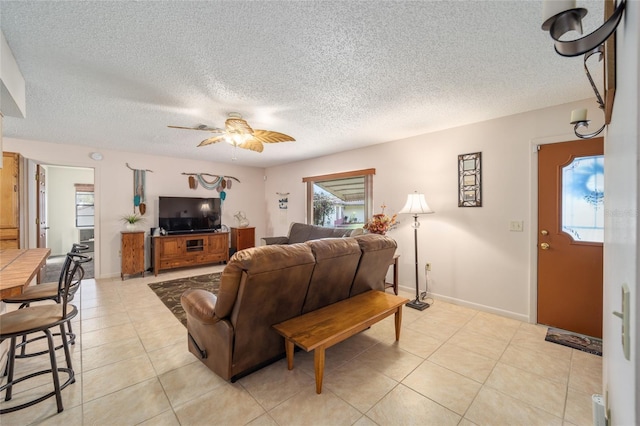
[[13, 99], [61, 206], [622, 225], [114, 189], [475, 260]]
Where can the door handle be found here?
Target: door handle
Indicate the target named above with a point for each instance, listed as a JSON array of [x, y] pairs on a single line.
[[544, 246]]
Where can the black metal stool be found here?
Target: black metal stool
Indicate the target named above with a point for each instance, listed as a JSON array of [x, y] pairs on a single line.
[[42, 318], [49, 291]]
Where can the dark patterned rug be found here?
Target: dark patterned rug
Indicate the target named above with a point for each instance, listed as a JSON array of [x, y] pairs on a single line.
[[574, 340], [170, 291]]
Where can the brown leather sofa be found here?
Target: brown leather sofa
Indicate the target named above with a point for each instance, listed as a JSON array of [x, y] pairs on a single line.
[[301, 232], [231, 333]]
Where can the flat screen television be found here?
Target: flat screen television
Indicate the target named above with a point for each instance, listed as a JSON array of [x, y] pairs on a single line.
[[183, 215]]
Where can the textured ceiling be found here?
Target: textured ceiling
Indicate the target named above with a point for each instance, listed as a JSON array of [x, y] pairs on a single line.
[[334, 75]]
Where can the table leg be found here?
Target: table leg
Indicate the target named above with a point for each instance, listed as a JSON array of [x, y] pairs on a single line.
[[288, 346], [318, 361], [395, 276], [398, 318]]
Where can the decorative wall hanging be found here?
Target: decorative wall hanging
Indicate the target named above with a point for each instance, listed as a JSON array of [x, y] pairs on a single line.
[[283, 200], [219, 183], [470, 180], [139, 184]]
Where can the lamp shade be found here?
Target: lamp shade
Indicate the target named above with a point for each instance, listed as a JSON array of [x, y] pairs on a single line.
[[416, 204]]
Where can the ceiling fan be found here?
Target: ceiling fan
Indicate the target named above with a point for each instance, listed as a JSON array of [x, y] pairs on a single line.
[[238, 133]]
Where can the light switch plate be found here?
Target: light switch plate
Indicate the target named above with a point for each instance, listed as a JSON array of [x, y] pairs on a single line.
[[516, 226]]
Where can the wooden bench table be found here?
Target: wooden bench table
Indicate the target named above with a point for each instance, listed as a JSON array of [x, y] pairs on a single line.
[[318, 330]]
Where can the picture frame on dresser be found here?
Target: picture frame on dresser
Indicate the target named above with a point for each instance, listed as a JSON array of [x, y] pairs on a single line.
[[470, 180]]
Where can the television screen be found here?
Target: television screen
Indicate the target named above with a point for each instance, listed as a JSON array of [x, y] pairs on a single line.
[[178, 215]]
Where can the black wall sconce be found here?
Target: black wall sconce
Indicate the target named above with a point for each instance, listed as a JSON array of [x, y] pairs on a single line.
[[560, 17]]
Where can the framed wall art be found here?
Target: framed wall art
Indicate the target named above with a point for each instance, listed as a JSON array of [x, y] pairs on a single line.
[[470, 180]]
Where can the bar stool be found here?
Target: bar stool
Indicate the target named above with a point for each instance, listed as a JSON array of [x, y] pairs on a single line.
[[42, 318], [49, 291]]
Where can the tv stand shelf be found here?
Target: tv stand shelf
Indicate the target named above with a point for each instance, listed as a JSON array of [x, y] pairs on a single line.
[[176, 251]]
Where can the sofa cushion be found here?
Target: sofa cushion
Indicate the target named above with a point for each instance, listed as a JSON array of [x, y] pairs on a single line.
[[258, 260], [300, 232], [377, 255], [336, 263], [263, 286]]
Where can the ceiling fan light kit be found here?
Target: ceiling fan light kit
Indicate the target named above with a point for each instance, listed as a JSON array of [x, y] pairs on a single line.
[[239, 134]]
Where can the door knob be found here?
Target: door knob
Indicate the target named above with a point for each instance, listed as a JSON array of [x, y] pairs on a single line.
[[544, 246], [544, 232]]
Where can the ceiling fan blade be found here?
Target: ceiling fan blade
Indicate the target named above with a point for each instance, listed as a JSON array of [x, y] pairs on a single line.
[[211, 140], [252, 144], [201, 127], [238, 125], [267, 136]]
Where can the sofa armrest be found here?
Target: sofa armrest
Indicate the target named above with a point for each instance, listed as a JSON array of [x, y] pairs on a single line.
[[200, 304], [275, 240]]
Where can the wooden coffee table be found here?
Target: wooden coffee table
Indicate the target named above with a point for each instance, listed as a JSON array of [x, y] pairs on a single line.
[[318, 330]]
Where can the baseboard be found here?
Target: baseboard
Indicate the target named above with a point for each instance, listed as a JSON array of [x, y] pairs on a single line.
[[477, 306]]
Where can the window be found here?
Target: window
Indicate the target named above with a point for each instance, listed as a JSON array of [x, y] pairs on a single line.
[[340, 199], [583, 199], [84, 206]]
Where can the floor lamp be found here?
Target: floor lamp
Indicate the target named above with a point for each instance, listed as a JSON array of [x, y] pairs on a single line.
[[416, 204]]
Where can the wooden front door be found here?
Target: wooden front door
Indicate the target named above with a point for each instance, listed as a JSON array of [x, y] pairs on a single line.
[[570, 235]]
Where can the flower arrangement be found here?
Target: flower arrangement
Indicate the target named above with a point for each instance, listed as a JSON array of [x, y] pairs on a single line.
[[380, 223]]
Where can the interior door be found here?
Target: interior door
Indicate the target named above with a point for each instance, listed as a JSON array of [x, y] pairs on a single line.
[[570, 235]]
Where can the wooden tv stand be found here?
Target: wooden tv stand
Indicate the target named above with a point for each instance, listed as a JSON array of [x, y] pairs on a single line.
[[176, 251]]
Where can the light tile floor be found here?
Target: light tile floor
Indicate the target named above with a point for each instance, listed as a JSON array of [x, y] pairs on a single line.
[[452, 366]]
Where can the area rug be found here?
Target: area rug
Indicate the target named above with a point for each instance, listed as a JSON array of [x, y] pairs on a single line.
[[54, 264], [574, 340], [170, 291]]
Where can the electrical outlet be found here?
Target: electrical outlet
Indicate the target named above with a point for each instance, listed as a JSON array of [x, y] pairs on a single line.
[[427, 267]]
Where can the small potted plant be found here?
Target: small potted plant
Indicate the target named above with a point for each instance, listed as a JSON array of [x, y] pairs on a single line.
[[131, 221]]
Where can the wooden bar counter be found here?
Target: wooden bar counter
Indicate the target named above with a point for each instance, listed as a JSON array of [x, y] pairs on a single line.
[[18, 267]]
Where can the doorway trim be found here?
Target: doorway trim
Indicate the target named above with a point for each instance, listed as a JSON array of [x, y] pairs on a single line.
[[30, 203], [533, 213]]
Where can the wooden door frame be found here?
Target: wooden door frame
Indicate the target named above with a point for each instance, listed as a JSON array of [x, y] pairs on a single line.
[[29, 202], [533, 214]]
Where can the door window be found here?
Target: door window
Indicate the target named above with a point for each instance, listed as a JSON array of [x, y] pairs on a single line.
[[583, 199]]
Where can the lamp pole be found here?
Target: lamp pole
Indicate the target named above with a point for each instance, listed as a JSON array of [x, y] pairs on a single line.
[[416, 225], [416, 204]]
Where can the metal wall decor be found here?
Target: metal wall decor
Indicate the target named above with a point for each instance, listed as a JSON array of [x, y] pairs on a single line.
[[470, 180]]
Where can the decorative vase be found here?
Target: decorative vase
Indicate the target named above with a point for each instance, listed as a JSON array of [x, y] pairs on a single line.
[[243, 222], [131, 227]]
